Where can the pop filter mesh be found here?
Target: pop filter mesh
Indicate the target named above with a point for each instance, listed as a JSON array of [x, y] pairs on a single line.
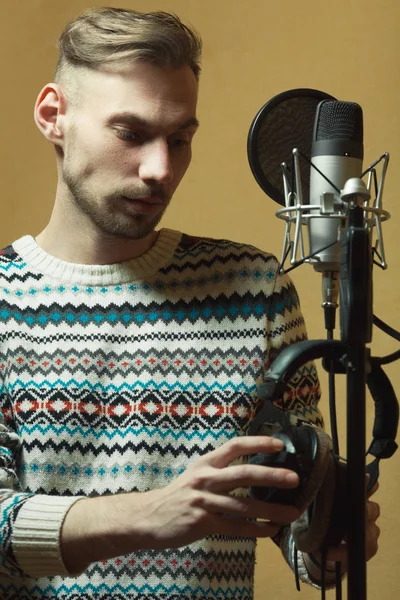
[[284, 123]]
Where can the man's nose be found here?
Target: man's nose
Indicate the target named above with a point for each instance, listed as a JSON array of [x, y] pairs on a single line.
[[156, 162]]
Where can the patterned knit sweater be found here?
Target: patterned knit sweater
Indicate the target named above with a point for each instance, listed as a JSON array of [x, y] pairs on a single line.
[[115, 378]]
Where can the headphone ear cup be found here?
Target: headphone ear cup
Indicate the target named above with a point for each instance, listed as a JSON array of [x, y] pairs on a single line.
[[306, 452], [322, 523], [317, 473]]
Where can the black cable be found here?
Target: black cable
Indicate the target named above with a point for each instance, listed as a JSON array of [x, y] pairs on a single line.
[[338, 587], [389, 358], [296, 568], [330, 321], [323, 574], [332, 413], [386, 328]]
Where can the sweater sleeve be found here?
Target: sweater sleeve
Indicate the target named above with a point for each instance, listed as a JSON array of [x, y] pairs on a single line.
[[286, 326], [300, 400], [30, 525], [286, 544]]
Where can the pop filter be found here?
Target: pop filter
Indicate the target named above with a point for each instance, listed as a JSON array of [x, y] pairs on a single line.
[[283, 123]]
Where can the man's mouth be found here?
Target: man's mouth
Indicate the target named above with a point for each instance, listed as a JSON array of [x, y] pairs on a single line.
[[149, 199], [145, 204]]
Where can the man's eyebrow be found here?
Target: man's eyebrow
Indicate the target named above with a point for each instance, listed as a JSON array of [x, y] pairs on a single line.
[[132, 119]]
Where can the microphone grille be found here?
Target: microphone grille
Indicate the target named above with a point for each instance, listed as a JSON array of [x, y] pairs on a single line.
[[339, 120]]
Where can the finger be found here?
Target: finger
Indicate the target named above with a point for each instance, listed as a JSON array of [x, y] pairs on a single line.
[[277, 513], [372, 536], [334, 554], [237, 476], [241, 446], [249, 508], [242, 528], [373, 489], [372, 511], [338, 553], [373, 533]]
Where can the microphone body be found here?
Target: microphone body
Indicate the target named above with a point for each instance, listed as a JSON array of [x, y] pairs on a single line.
[[337, 156], [324, 230]]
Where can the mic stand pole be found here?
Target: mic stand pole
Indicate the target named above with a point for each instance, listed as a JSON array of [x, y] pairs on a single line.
[[356, 482], [356, 332]]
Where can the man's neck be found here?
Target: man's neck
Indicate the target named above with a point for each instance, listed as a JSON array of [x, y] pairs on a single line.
[[95, 249]]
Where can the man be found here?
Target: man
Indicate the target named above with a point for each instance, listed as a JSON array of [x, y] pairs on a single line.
[[131, 356]]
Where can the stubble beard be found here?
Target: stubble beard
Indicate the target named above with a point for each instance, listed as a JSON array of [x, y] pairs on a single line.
[[107, 216]]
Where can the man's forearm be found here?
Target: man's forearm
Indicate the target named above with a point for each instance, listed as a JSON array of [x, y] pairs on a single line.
[[100, 528]]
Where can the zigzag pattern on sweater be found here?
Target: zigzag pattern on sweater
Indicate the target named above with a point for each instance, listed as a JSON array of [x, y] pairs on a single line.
[[128, 386], [22, 278], [235, 306], [161, 285], [122, 434], [174, 336], [142, 448], [103, 591], [230, 258]]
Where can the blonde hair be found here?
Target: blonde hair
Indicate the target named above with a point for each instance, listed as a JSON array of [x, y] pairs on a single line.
[[115, 35]]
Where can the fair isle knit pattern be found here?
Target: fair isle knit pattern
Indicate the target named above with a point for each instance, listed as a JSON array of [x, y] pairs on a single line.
[[115, 378]]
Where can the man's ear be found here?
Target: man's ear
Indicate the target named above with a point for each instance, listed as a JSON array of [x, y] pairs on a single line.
[[49, 111]]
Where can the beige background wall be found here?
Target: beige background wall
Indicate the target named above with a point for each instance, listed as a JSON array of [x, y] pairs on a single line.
[[253, 50]]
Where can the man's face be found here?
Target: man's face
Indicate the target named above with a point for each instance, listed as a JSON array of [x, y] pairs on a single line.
[[127, 145]]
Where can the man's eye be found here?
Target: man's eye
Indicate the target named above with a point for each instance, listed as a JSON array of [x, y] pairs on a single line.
[[180, 142], [128, 135]]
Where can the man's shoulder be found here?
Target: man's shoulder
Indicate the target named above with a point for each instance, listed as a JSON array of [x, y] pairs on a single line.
[[202, 246]]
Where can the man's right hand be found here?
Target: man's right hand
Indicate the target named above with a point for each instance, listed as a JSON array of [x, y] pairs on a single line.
[[197, 503]]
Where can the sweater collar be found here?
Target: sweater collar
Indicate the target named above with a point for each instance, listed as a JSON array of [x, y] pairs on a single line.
[[146, 265]]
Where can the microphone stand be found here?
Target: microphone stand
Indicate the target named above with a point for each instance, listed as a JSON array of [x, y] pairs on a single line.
[[356, 332], [356, 320], [356, 480], [349, 355]]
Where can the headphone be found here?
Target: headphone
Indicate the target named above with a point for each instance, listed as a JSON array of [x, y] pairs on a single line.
[[321, 493]]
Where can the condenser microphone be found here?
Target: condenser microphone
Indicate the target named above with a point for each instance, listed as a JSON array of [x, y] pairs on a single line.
[[305, 150], [336, 157]]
